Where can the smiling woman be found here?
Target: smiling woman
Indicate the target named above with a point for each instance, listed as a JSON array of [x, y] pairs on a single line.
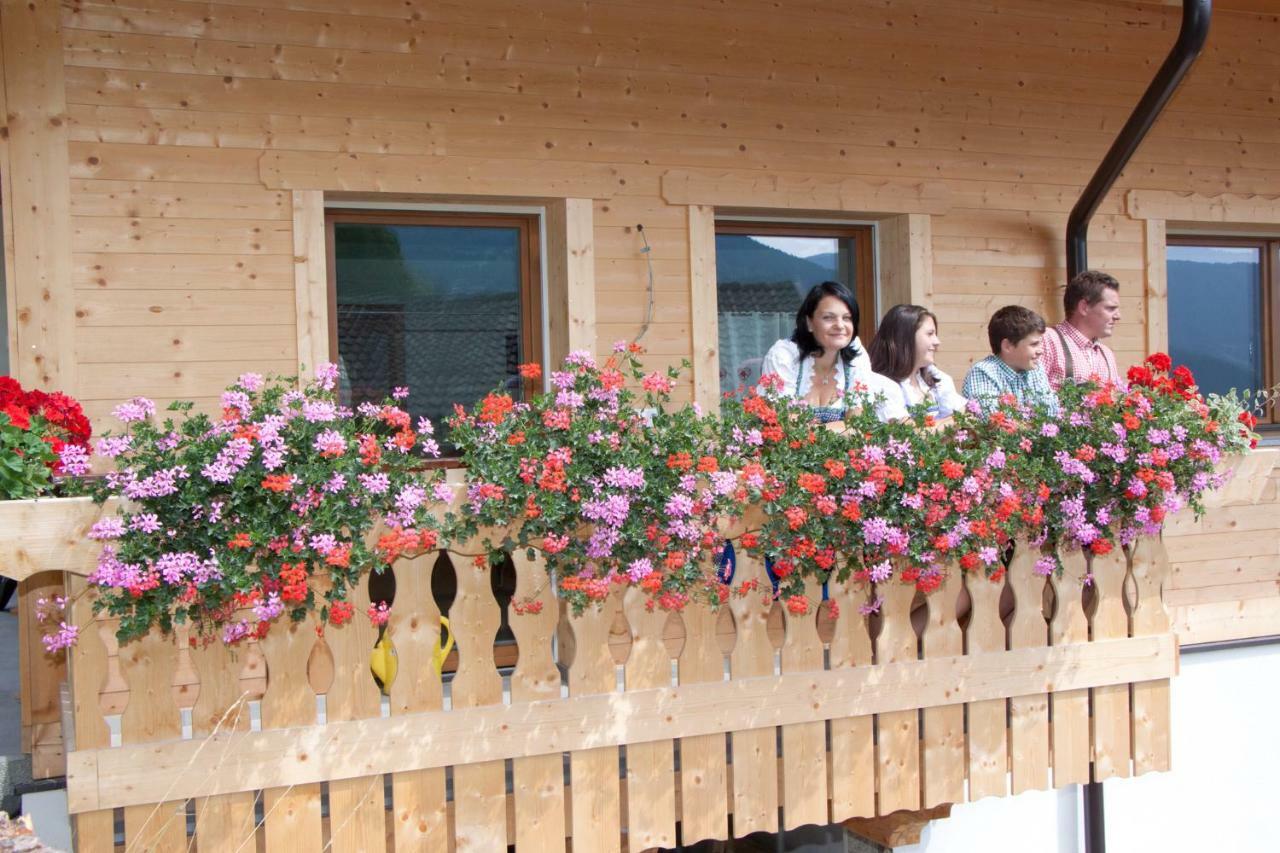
[[823, 359]]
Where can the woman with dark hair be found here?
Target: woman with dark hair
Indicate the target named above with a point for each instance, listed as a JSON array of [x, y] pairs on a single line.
[[903, 350], [823, 358]]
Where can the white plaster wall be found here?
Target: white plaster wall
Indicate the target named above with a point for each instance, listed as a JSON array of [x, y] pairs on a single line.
[[1220, 794]]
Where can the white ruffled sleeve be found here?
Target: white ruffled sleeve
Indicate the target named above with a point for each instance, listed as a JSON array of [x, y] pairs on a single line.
[[783, 359], [887, 394]]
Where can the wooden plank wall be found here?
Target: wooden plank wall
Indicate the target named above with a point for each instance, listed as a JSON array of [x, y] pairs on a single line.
[[182, 262], [189, 125], [1225, 579]]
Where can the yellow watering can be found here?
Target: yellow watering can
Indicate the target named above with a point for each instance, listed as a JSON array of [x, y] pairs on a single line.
[[384, 662]]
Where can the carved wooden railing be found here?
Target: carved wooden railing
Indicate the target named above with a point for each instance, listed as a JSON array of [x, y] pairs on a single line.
[[766, 718]]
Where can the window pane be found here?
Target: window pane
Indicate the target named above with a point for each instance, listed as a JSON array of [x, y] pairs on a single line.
[[1215, 314], [760, 282], [433, 307]]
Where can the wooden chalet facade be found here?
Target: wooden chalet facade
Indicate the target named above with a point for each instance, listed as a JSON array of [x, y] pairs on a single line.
[[166, 167]]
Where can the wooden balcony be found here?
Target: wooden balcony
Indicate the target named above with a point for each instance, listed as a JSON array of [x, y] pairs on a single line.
[[616, 725]]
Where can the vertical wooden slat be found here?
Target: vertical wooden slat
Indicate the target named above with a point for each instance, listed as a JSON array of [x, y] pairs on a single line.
[[38, 202], [225, 822], [311, 280], [571, 277], [897, 733], [40, 678], [651, 795], [419, 808], [942, 755], [291, 815], [593, 773], [804, 745], [1028, 715], [357, 813], [704, 799], [152, 715], [479, 790], [1069, 729], [755, 751], [703, 318], [1111, 745], [1155, 266], [853, 748], [539, 779], [87, 670], [988, 737], [1149, 562]]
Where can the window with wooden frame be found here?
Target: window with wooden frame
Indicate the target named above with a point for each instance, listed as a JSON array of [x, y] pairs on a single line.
[[448, 304], [764, 270], [1224, 312]]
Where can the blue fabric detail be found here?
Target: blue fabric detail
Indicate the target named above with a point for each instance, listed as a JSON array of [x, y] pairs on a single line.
[[728, 565]]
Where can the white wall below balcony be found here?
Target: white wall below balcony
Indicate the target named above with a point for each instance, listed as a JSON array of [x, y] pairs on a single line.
[[1219, 796]]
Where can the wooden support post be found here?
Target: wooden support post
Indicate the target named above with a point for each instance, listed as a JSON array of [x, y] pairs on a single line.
[[755, 751], [1149, 562], [148, 665], [593, 773], [94, 832], [1028, 715], [357, 810], [704, 785], [853, 750], [419, 809], [804, 745], [1110, 729], [480, 789], [898, 733], [988, 735], [310, 281], [1069, 731], [943, 759], [291, 814], [651, 793], [703, 319]]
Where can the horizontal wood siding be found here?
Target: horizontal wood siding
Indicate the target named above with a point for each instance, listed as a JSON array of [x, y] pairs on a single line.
[[189, 123]]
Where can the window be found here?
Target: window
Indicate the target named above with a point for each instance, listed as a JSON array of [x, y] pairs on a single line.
[[764, 271], [1223, 299], [445, 303]]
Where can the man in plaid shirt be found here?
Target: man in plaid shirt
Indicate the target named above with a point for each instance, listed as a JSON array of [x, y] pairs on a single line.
[[1073, 349], [1016, 335]]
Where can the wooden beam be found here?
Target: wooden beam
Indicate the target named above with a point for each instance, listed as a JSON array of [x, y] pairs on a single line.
[[1157, 285], [571, 278], [437, 175], [1202, 208], [752, 189], [38, 198], [48, 535], [906, 261], [148, 773], [311, 280], [704, 324]]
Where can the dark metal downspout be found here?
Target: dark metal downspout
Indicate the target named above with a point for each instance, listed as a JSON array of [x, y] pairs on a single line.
[[1191, 38]]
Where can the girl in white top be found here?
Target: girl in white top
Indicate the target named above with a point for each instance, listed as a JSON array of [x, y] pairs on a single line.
[[824, 358], [903, 350]]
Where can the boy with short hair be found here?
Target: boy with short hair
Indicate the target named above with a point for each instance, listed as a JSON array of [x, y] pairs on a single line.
[[1016, 335]]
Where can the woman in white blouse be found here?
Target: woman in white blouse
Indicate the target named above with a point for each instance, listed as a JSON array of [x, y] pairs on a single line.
[[824, 358], [903, 349]]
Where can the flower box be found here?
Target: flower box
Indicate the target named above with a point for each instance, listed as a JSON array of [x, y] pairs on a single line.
[[48, 535], [1248, 475]]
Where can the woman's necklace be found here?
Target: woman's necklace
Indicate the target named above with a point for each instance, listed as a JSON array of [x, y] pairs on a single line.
[[824, 377]]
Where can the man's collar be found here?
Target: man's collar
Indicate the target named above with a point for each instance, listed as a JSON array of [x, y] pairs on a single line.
[[1081, 340]]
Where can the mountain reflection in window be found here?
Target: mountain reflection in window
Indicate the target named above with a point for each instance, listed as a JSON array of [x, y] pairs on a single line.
[[433, 307], [760, 282], [1216, 315]]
